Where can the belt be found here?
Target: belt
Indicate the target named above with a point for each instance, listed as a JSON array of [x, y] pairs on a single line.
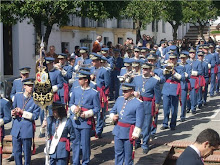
[[91, 120], [64, 139], [196, 86]]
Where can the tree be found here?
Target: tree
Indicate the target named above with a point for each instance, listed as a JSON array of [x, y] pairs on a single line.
[[39, 13], [171, 11], [142, 13], [199, 12]]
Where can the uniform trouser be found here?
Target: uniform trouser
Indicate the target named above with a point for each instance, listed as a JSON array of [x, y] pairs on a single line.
[[100, 121], [183, 100], [60, 161], [193, 99], [218, 82], [123, 151], [154, 129], [205, 93], [82, 140], [41, 116], [170, 102], [18, 143], [146, 130], [200, 93], [213, 82]]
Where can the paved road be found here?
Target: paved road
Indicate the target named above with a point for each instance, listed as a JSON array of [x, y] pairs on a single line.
[[103, 149]]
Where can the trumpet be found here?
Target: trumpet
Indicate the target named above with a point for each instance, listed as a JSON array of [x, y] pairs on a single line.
[[77, 114], [169, 68], [128, 77]]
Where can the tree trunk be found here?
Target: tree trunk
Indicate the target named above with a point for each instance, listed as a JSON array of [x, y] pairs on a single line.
[[138, 31], [46, 36], [37, 25], [175, 28]]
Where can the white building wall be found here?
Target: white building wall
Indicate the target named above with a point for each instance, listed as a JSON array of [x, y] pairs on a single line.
[[23, 39]]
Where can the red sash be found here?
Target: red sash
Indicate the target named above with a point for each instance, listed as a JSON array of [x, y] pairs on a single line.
[[34, 130], [152, 107], [178, 90], [64, 139], [66, 92], [91, 120], [130, 134], [189, 88], [55, 97], [103, 97], [196, 86], [216, 69]]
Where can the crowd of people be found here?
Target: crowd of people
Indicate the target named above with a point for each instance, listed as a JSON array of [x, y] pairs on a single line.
[[137, 77]]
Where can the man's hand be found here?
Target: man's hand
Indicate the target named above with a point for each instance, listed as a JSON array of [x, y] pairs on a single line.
[[13, 112], [134, 137], [115, 118], [92, 77], [173, 72], [77, 109], [83, 115], [136, 94], [19, 110], [44, 124]]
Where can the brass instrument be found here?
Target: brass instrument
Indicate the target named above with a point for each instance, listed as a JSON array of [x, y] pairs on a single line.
[[77, 115], [127, 78], [169, 68]]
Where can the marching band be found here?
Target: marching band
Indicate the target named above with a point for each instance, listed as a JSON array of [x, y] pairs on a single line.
[[82, 86]]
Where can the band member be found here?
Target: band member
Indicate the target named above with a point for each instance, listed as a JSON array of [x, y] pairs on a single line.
[[171, 90], [101, 77], [24, 113], [148, 89], [83, 59], [185, 85], [5, 118], [204, 79], [17, 83], [194, 80], [84, 104], [128, 115], [59, 127]]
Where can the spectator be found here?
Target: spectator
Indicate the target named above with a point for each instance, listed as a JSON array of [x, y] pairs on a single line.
[[52, 53], [207, 141], [97, 45]]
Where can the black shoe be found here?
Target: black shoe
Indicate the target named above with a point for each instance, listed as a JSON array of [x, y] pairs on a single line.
[[98, 136], [188, 110], [200, 106], [205, 104], [137, 145], [172, 128], [152, 137], [182, 120], [211, 96], [41, 135], [11, 158], [163, 128], [145, 151], [193, 112]]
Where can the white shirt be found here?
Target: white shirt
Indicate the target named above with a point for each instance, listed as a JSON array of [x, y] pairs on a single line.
[[196, 149]]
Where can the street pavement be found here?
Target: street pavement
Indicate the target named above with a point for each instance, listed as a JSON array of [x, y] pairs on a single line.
[[103, 149]]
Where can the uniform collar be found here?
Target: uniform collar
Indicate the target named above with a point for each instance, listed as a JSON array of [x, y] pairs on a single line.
[[85, 88], [130, 98], [145, 77]]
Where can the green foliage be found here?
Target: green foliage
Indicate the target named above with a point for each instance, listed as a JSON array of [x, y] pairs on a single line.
[[199, 11], [214, 32], [144, 11]]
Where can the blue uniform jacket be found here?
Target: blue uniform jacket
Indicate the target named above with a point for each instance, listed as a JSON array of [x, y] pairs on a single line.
[[133, 113], [196, 66], [56, 78], [102, 77], [17, 87], [187, 69], [5, 111], [151, 87], [205, 71], [159, 73], [69, 71], [61, 151], [210, 59], [171, 89], [21, 125], [89, 99]]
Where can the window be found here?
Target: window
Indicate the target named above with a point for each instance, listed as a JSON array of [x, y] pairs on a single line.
[[119, 23], [153, 26], [163, 27], [120, 40], [106, 39], [156, 25]]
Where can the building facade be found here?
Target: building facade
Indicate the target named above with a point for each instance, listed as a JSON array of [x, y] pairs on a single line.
[[18, 41]]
